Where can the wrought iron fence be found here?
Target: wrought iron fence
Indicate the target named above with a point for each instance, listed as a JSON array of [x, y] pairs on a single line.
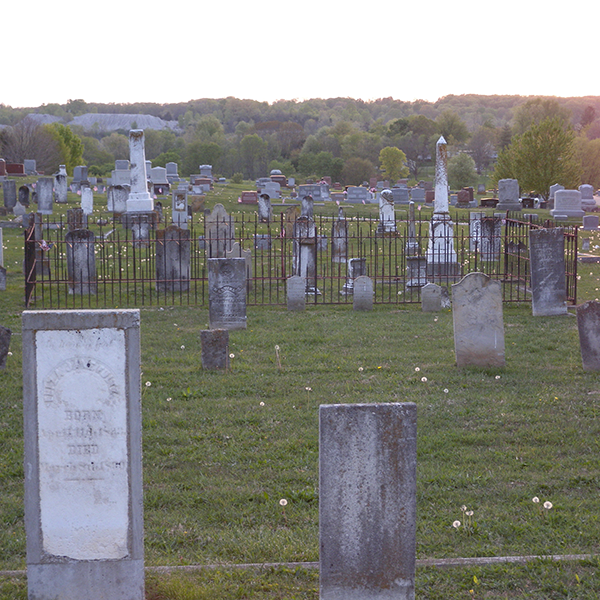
[[115, 265]]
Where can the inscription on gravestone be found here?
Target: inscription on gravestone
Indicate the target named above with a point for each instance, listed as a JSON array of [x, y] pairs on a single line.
[[227, 293]]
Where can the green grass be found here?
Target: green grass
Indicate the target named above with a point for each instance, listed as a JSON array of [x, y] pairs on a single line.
[[217, 462]]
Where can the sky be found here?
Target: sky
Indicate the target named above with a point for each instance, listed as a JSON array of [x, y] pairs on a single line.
[[123, 51]]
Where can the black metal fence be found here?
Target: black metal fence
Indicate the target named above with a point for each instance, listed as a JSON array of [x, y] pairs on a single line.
[[115, 266]]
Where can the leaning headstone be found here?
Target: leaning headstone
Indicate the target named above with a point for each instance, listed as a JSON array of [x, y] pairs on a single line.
[[478, 324], [172, 259], [508, 195], [588, 324], [83, 454], [5, 334], [367, 501], [567, 203], [61, 186], [227, 293], [215, 349], [9, 189], [304, 259], [45, 195], [81, 261], [587, 197], [434, 298], [363, 293], [87, 200], [296, 293], [547, 264]]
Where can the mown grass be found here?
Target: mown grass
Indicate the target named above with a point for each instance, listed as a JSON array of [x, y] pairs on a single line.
[[221, 449]]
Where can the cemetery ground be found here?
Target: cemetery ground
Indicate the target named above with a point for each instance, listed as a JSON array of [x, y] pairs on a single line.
[[222, 449]]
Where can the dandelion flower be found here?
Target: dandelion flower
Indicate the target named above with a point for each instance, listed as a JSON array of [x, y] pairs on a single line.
[[360, 369], [463, 508], [456, 524], [148, 384], [182, 347], [423, 379], [547, 505], [417, 369], [10, 354], [262, 404], [497, 376], [283, 502], [445, 390], [277, 347], [169, 399], [469, 513], [308, 389], [232, 355], [535, 500]]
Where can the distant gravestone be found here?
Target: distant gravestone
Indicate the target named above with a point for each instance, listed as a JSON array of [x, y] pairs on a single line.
[[567, 203], [478, 324], [434, 298], [5, 334], [363, 293], [304, 260], [508, 195], [547, 264], [81, 261], [218, 232], [215, 349], [356, 268], [262, 241], [238, 252], [553, 189], [61, 186], [45, 195], [172, 259], [179, 208], [387, 216], [367, 501], [117, 198], [291, 215], [264, 208], [82, 421], [588, 324], [29, 165], [296, 293], [416, 271], [307, 207], [587, 197], [475, 231], [417, 195], [87, 200], [339, 241], [491, 239], [227, 293], [24, 195], [9, 189], [591, 222], [76, 219], [401, 195]]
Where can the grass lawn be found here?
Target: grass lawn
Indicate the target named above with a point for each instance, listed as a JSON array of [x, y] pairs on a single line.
[[221, 449]]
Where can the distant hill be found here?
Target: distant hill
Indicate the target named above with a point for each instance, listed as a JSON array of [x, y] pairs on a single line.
[[106, 123]]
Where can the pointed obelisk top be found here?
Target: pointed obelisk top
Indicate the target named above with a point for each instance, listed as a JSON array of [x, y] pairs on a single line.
[[441, 176]]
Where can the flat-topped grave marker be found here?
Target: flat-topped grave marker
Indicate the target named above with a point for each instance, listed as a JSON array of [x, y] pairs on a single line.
[[227, 293], [83, 461]]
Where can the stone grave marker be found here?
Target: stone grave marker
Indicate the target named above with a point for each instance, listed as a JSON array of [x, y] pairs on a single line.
[[553, 189], [307, 206], [296, 293], [24, 193], [179, 210], [401, 195], [547, 264], [61, 186], [262, 241], [81, 261], [219, 231], [416, 271], [45, 195], [238, 252], [508, 195], [291, 215], [5, 334], [76, 219], [491, 239], [417, 195], [356, 268], [434, 298], [591, 222], [587, 197], [367, 501], [116, 196], [1, 248], [567, 203], [83, 454], [363, 293], [387, 216], [2, 279], [9, 189], [265, 212], [29, 164], [478, 324], [304, 260], [87, 200], [339, 241], [139, 200], [227, 293], [588, 324], [215, 349], [172, 259]]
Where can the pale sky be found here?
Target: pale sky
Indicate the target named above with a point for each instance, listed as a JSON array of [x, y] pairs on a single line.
[[122, 51]]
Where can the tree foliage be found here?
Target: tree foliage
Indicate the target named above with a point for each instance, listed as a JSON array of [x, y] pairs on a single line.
[[452, 127], [70, 145], [357, 170], [393, 163], [461, 171]]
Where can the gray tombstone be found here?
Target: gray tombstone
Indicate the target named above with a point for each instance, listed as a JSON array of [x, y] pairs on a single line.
[[24, 193], [81, 261], [339, 241], [45, 195], [307, 207], [61, 186], [76, 219], [238, 252], [588, 324], [116, 196], [475, 231], [172, 259], [434, 298], [1, 247], [9, 189], [567, 203], [227, 293], [587, 197], [87, 200], [296, 293], [417, 195], [29, 166], [401, 195], [478, 324], [491, 239], [547, 264], [508, 195], [215, 349], [264, 208], [219, 231], [5, 334], [262, 241], [363, 293], [83, 454], [304, 260], [553, 189], [367, 501], [2, 279], [412, 247], [591, 222], [356, 268], [179, 210], [416, 271]]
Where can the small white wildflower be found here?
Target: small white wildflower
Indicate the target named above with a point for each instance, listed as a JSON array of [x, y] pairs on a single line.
[[182, 347], [423, 379], [497, 376], [417, 369], [463, 508], [277, 347], [262, 404], [535, 500], [469, 513], [148, 384], [456, 524], [445, 390], [232, 355], [547, 505], [169, 399], [283, 502], [360, 369], [10, 354], [308, 389]]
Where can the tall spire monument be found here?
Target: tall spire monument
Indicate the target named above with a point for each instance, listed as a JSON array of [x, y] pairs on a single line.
[[441, 256], [140, 200]]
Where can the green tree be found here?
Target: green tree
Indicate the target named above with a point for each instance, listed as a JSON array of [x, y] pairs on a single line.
[[452, 127], [536, 110], [117, 144], [393, 163], [94, 153], [545, 154], [461, 171], [166, 157], [589, 156], [70, 145], [357, 170], [200, 153], [481, 146], [253, 152]]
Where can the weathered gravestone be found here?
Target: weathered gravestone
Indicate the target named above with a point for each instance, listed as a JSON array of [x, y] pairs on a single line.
[[262, 241], [227, 293], [2, 279], [478, 324], [5, 334], [553, 189], [567, 203], [291, 216], [76, 219], [116, 197], [238, 252], [172, 259], [24, 195], [87, 200], [307, 207], [367, 501], [508, 195], [81, 261], [264, 208], [591, 222], [490, 239], [218, 232], [387, 216], [139, 199], [61, 186], [83, 455], [304, 260], [416, 271], [587, 197], [547, 264], [45, 195], [356, 268], [434, 298], [363, 293], [179, 211], [339, 241], [296, 293], [215, 349], [9, 189], [588, 324]]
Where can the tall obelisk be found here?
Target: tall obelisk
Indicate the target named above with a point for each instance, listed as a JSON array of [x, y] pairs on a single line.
[[140, 200], [441, 256]]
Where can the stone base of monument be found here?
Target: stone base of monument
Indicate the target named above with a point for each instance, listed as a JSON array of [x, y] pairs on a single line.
[[508, 205]]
